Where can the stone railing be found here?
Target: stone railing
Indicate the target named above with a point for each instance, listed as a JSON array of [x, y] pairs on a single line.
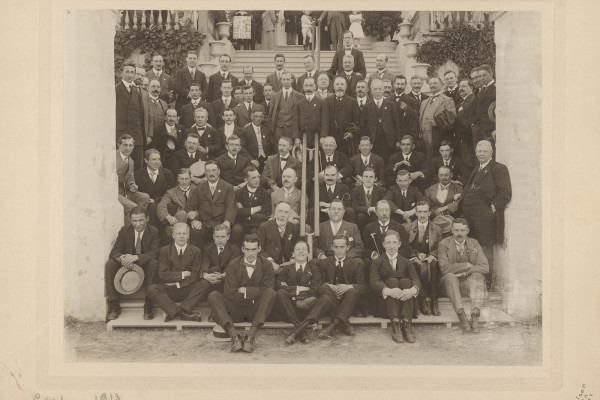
[[442, 20], [167, 19]]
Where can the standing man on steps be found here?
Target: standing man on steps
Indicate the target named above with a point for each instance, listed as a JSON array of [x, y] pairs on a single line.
[[214, 81], [185, 77], [463, 265], [337, 66]]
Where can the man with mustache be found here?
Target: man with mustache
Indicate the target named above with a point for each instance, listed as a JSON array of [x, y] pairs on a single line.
[[156, 110], [463, 265], [288, 193]]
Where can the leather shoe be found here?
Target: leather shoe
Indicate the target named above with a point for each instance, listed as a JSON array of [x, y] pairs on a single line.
[[407, 332], [248, 346], [349, 331], [397, 335], [113, 314], [324, 334], [475, 322], [211, 317], [304, 337], [236, 343], [435, 309], [291, 339], [464, 322], [423, 307], [148, 313], [185, 316]]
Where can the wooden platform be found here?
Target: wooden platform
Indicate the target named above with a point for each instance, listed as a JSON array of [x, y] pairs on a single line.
[[132, 317]]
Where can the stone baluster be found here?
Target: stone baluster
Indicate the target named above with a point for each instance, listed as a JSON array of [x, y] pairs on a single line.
[[126, 19], [175, 20], [143, 25], [118, 26], [160, 20], [168, 21], [135, 19], [152, 20]]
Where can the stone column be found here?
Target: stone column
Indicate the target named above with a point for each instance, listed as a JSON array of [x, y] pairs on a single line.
[[92, 214], [518, 107]]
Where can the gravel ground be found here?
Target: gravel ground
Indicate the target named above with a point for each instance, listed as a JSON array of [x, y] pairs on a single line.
[[496, 345]]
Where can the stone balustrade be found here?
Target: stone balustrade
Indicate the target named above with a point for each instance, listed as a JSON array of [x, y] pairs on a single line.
[[442, 20]]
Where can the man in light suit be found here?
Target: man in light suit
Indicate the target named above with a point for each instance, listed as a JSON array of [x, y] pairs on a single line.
[[394, 280], [137, 243], [249, 80], [155, 111], [444, 194], [210, 203], [226, 101], [243, 111], [129, 195], [178, 272], [288, 193], [257, 140], [281, 113], [337, 226], [249, 295], [436, 105], [171, 208], [277, 163], [382, 71], [185, 77], [157, 72], [487, 193], [310, 115], [348, 49], [130, 112], [463, 265], [275, 79], [278, 236], [352, 78], [324, 86], [214, 81]]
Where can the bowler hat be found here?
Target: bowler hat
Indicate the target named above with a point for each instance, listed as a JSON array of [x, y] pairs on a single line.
[[218, 334], [128, 281], [197, 169], [444, 222]]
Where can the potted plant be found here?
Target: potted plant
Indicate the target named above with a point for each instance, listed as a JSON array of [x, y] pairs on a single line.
[[381, 24], [222, 24]]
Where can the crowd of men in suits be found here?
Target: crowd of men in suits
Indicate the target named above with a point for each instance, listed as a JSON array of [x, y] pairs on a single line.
[[411, 200]]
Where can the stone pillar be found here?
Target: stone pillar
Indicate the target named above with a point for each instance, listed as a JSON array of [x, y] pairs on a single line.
[[518, 70], [92, 215]]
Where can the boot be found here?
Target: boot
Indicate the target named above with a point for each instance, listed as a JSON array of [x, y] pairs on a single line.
[[249, 340], [464, 322], [407, 331], [299, 333], [397, 332], [475, 320], [328, 332], [435, 310], [423, 306], [236, 339]]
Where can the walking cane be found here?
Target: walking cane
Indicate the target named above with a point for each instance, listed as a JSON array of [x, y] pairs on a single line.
[[375, 241]]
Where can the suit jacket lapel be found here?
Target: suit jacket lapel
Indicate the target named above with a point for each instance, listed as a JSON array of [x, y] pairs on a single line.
[[174, 256], [413, 231], [217, 192]]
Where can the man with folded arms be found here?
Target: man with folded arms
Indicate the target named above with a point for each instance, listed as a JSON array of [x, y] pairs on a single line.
[[178, 271], [463, 265], [365, 197], [249, 295], [297, 286], [394, 278]]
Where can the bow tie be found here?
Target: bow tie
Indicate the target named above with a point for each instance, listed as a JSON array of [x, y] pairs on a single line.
[[248, 265], [201, 128], [283, 158], [443, 187]]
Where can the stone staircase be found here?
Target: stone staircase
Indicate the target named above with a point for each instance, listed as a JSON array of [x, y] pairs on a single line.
[[262, 61]]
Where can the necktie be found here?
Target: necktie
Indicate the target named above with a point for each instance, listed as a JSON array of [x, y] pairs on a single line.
[[233, 159], [329, 192], [480, 167], [153, 176], [192, 158], [128, 87], [329, 159], [308, 75], [443, 187], [248, 265], [219, 250], [446, 163], [361, 104], [212, 189], [138, 244], [298, 276], [248, 107], [185, 194], [461, 249], [193, 74], [368, 196], [286, 195], [223, 75], [281, 230], [421, 233], [285, 95], [383, 228], [404, 195], [339, 273], [393, 262], [180, 255], [226, 102]]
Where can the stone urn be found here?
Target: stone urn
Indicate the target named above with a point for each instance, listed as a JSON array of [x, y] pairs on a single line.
[[216, 48], [405, 30], [411, 48], [223, 29], [421, 69]]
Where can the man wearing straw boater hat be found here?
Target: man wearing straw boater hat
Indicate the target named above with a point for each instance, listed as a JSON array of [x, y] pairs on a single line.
[[136, 248]]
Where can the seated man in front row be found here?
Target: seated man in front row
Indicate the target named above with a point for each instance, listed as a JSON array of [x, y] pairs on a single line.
[[278, 236], [178, 271], [463, 265], [337, 226], [344, 283], [253, 205], [394, 279], [137, 243], [249, 295]]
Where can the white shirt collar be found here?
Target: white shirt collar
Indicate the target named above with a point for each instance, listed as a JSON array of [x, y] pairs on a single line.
[[191, 154], [179, 249], [309, 97], [127, 84], [445, 187], [366, 189], [251, 190], [459, 245], [226, 99], [365, 158], [157, 72], [422, 225], [246, 104], [332, 187], [288, 91], [185, 190], [288, 192], [123, 156], [383, 224], [482, 166], [213, 185], [251, 263], [416, 94], [150, 172], [490, 83], [336, 226], [405, 156], [300, 266], [453, 89], [394, 257], [381, 71], [191, 70], [256, 127], [152, 97], [338, 259], [226, 73], [231, 155]]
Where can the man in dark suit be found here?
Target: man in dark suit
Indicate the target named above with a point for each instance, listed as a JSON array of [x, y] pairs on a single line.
[[277, 163], [311, 71], [210, 203], [215, 259], [214, 81], [249, 80], [409, 107], [243, 111], [343, 282], [154, 180], [130, 112], [137, 244], [324, 86], [487, 193], [463, 135], [365, 159], [329, 155], [330, 189], [167, 138], [257, 140], [348, 49], [171, 208], [483, 127], [359, 110], [403, 198], [337, 226], [155, 111], [410, 160], [310, 115], [394, 280], [364, 197], [451, 89], [157, 72], [129, 194], [460, 171], [297, 285], [275, 78], [249, 295], [187, 111], [339, 110], [253, 205], [211, 143], [463, 266], [424, 236], [268, 94], [416, 83], [226, 101], [382, 72], [336, 23], [384, 121], [229, 129], [185, 77], [281, 113], [232, 163], [278, 236], [352, 78], [189, 154], [178, 271], [444, 194]]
